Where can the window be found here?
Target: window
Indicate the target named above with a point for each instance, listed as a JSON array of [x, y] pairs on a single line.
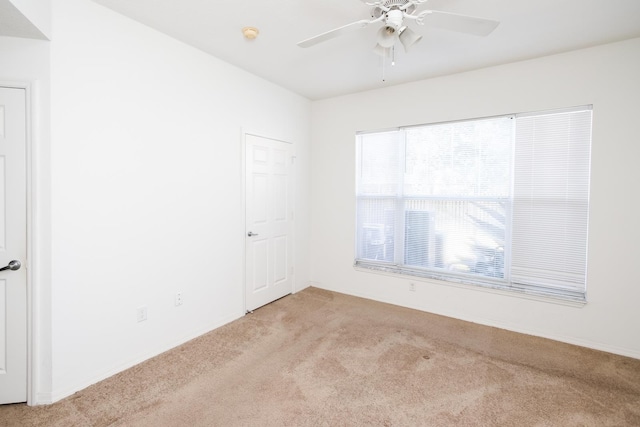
[[500, 202]]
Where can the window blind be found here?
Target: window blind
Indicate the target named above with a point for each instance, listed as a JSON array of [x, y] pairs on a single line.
[[378, 186], [551, 199], [500, 202]]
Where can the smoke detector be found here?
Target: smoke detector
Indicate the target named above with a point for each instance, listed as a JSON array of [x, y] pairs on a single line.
[[250, 33]]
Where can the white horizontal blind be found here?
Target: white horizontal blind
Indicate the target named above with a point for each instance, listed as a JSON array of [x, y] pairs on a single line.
[[436, 197], [500, 202], [551, 200], [379, 175], [456, 191], [379, 168]]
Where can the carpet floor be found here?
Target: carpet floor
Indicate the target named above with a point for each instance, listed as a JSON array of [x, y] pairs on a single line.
[[320, 358]]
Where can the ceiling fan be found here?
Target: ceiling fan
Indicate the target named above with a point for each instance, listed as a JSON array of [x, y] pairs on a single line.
[[394, 13]]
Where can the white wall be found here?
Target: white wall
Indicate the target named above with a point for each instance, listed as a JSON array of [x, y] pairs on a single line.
[[605, 76], [147, 192]]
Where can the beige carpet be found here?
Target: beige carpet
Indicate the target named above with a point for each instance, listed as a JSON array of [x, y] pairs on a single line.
[[319, 358]]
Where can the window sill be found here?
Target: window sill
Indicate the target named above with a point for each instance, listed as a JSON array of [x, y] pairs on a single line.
[[493, 289]]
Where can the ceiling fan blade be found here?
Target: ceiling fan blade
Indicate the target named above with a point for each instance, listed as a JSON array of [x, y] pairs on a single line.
[[459, 23], [334, 33]]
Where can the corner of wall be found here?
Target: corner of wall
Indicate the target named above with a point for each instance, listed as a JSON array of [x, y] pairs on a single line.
[[38, 12]]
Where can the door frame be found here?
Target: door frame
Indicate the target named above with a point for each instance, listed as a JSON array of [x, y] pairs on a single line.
[[31, 100], [243, 181]]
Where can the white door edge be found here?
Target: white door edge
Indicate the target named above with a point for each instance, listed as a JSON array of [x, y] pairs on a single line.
[[31, 99]]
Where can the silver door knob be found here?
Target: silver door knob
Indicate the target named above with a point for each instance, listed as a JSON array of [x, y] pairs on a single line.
[[251, 234], [13, 265]]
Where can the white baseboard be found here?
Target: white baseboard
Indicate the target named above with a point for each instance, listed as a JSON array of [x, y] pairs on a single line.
[[621, 351], [57, 395], [42, 399]]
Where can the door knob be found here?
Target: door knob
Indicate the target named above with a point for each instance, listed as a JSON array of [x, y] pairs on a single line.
[[13, 265], [251, 234]]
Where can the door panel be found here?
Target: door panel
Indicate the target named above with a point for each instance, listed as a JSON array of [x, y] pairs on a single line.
[[280, 257], [260, 204], [13, 288], [260, 265], [268, 221]]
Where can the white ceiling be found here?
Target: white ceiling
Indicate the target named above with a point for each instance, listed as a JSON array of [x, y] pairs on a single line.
[[14, 24], [528, 29]]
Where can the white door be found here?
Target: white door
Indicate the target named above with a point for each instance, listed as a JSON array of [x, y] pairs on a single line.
[[13, 230], [269, 220]]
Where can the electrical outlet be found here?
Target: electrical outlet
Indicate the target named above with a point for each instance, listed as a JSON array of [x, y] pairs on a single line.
[[178, 298], [142, 313], [412, 287]]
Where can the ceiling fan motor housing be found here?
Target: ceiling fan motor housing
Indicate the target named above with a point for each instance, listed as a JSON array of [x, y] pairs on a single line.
[[393, 12], [389, 5]]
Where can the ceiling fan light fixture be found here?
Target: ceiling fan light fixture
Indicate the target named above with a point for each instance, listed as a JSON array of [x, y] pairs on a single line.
[[386, 39], [408, 37], [382, 51], [393, 20]]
